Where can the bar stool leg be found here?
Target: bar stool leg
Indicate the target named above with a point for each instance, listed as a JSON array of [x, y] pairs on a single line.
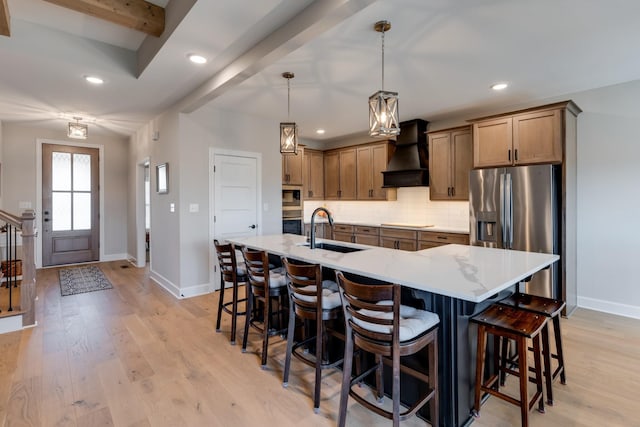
[[220, 303], [524, 381], [556, 331], [234, 311], [546, 354], [433, 383], [346, 376], [538, 366], [247, 317], [319, 350], [290, 333], [480, 358], [266, 324]]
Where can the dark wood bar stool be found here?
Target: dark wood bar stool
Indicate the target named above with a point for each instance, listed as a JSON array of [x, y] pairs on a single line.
[[375, 322], [518, 325], [550, 308], [230, 272], [268, 287], [311, 298]]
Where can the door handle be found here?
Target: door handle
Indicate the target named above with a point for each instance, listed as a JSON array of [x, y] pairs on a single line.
[[46, 220], [252, 226]]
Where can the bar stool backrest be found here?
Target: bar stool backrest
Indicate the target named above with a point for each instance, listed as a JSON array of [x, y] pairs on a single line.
[[257, 265], [305, 287], [373, 313], [227, 261]]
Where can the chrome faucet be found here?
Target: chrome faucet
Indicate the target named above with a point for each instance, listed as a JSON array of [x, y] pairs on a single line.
[[312, 240]]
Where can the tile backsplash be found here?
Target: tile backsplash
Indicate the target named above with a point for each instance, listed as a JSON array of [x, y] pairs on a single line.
[[412, 207]]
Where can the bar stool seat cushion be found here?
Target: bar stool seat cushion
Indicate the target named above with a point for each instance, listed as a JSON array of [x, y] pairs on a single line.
[[240, 270], [276, 279], [330, 295], [413, 321]]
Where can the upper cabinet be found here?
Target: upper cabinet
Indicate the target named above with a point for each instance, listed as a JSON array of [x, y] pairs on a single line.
[[521, 138], [313, 175], [371, 160], [340, 174], [292, 168], [450, 160]]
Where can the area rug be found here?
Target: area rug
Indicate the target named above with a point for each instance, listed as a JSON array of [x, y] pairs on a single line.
[[78, 280]]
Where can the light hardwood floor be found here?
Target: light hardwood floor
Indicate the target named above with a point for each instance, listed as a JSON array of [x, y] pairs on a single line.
[[136, 356]]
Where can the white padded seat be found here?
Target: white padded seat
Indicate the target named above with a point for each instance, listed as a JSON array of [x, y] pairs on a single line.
[[276, 278], [330, 297], [413, 321]]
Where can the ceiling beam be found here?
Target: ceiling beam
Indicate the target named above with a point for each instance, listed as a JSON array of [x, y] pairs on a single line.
[[308, 24], [137, 14], [5, 19]]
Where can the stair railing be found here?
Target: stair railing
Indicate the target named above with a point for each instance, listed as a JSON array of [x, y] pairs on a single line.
[[20, 228]]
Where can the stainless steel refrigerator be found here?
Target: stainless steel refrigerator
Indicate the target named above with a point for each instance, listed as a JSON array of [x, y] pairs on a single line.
[[519, 208]]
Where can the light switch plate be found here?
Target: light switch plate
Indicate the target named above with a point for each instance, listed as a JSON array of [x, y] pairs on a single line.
[[194, 207], [172, 207]]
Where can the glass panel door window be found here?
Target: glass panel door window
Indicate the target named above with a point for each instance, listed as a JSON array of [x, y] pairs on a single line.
[[71, 191]]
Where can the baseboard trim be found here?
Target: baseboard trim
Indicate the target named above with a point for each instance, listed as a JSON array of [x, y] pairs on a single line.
[[114, 257], [180, 293], [610, 307]]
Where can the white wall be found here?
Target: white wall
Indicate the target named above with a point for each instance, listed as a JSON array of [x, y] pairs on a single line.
[[609, 199], [19, 178]]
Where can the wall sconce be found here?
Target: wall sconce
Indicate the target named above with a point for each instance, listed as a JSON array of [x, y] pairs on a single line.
[[78, 130], [288, 130]]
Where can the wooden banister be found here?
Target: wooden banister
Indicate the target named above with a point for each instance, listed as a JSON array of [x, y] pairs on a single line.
[[26, 224]]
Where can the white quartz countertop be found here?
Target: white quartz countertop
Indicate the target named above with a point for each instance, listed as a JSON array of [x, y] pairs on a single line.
[[470, 273]]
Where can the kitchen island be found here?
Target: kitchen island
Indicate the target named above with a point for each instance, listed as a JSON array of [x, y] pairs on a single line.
[[454, 281]]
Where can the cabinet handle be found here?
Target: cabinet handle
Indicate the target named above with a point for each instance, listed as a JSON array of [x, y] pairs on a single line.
[[442, 237], [448, 191], [509, 154], [310, 193], [453, 191], [516, 154], [339, 193], [353, 238]]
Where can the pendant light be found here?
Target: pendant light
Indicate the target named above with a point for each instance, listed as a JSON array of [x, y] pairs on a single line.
[[383, 105], [288, 130], [77, 130]]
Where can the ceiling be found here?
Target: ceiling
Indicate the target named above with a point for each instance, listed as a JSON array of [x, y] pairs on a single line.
[[441, 56]]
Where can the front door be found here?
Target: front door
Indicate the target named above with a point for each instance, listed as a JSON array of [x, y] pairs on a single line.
[[70, 205]]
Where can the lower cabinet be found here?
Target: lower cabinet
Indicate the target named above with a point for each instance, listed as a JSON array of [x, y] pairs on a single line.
[[398, 238], [362, 234], [432, 239]]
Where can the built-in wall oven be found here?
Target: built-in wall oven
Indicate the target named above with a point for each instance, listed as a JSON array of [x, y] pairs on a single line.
[[292, 209]]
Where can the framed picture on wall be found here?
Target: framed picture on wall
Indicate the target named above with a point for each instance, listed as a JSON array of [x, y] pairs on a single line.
[[162, 178]]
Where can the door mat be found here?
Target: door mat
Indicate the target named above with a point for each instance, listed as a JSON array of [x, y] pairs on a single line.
[[78, 280]]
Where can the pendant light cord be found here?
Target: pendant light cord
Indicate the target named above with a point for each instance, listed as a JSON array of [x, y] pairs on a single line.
[[288, 99], [383, 59]]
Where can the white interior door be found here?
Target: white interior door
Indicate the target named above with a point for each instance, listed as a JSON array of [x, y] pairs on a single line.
[[236, 198]]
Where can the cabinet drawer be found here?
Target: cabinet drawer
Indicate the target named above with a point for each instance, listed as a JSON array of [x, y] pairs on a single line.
[[362, 229], [428, 245], [342, 237], [366, 239], [443, 238], [398, 233], [344, 228]]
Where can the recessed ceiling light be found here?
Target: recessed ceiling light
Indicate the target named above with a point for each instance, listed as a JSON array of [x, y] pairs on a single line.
[[197, 59], [94, 80], [320, 131], [499, 86]]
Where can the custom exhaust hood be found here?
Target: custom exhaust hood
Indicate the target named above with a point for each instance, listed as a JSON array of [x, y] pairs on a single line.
[[409, 165]]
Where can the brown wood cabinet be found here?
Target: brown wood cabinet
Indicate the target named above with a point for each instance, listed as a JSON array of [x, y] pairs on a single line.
[[340, 174], [431, 239], [450, 160], [292, 168], [365, 235], [323, 231], [398, 238], [313, 175], [371, 160], [521, 138]]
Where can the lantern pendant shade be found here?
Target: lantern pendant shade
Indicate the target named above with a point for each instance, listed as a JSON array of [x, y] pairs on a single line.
[[288, 130], [383, 114], [78, 130], [288, 138]]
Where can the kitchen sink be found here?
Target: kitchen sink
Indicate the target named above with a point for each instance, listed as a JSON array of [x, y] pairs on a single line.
[[334, 248]]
